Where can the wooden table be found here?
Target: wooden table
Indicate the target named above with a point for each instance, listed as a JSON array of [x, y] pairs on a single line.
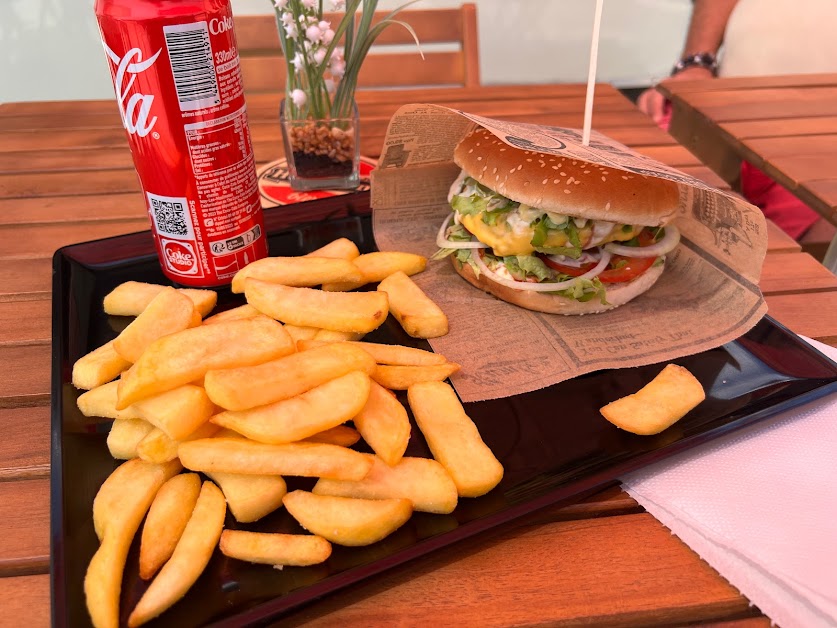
[[784, 125], [66, 176]]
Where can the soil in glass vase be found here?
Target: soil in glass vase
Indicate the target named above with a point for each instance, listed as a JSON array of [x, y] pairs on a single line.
[[322, 153]]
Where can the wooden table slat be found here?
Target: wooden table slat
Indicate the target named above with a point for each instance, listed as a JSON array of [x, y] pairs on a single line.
[[25, 379], [25, 597], [24, 448], [24, 526]]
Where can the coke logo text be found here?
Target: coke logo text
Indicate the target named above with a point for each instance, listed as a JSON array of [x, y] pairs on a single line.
[[136, 111], [179, 257], [218, 26]]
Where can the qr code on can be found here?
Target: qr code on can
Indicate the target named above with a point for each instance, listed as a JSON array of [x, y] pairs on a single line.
[[170, 216]]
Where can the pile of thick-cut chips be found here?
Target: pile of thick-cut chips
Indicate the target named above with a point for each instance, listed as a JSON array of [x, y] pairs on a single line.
[[251, 395]]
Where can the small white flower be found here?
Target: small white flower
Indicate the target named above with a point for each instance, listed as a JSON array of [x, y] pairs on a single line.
[[298, 62], [310, 4], [338, 5], [324, 26], [287, 18], [338, 68], [328, 36], [291, 30], [299, 97], [280, 4], [313, 34], [319, 56]]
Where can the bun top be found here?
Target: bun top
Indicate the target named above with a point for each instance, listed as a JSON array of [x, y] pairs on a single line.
[[565, 185]]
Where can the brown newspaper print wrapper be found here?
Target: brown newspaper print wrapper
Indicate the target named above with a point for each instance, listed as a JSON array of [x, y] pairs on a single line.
[[707, 296]]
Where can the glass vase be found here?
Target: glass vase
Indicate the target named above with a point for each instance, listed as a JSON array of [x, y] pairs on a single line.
[[323, 153]]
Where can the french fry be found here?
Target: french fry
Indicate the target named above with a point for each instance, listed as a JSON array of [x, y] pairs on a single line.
[[421, 480], [289, 420], [192, 553], [329, 335], [659, 404], [167, 518], [132, 297], [402, 377], [306, 307], [413, 309], [297, 271], [341, 248], [168, 312], [454, 439], [301, 333], [118, 510], [125, 436], [98, 367], [186, 356], [341, 435], [101, 401], [347, 521], [384, 424], [289, 376], [159, 448], [235, 314], [378, 266], [395, 355], [239, 455], [177, 412], [297, 550], [250, 497]]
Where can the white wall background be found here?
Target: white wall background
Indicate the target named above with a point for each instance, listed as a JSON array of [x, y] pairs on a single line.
[[50, 49]]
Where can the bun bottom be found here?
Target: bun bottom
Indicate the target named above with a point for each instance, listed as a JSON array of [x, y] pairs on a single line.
[[617, 294]]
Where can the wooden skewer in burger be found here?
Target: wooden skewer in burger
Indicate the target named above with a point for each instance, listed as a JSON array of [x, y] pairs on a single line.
[[552, 233]]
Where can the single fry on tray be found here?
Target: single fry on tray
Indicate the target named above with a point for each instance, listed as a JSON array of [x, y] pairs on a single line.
[[250, 497], [177, 412], [235, 314], [421, 480], [378, 266], [118, 510], [402, 377], [384, 424], [132, 297], [341, 248], [348, 521], [297, 271], [192, 553], [289, 376], [296, 550], [98, 367], [659, 404], [169, 312], [307, 307], [125, 436], [101, 401], [300, 333], [454, 439], [239, 455], [186, 356], [395, 355], [413, 309], [289, 420], [167, 518], [158, 447]]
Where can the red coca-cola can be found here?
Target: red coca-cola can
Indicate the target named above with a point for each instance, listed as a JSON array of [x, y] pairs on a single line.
[[177, 78]]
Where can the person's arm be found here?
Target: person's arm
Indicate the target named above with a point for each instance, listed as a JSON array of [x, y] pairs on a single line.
[[706, 33]]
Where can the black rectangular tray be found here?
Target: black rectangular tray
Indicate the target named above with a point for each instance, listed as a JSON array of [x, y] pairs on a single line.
[[553, 443]]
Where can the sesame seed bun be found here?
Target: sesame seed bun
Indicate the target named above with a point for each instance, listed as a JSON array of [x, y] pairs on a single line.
[[617, 293], [564, 185]]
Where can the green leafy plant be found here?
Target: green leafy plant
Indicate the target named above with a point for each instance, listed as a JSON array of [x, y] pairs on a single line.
[[323, 60]]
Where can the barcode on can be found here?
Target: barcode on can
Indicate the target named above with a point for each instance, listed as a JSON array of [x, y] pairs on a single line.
[[190, 55], [170, 216]]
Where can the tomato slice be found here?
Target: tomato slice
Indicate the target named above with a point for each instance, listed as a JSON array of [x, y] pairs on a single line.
[[627, 268]]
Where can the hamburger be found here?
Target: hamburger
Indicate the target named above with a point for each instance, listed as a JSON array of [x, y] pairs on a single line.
[[555, 234]]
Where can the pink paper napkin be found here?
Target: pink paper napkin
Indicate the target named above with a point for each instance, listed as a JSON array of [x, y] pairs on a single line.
[[760, 506]]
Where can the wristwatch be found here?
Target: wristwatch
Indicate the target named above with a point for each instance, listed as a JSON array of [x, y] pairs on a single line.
[[700, 59]]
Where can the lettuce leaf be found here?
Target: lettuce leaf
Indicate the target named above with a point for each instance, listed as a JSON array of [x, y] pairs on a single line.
[[521, 266]]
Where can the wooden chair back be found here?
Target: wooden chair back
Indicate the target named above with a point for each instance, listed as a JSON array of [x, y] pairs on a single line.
[[390, 64]]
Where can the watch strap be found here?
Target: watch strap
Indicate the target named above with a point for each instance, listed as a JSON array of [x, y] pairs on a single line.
[[700, 59]]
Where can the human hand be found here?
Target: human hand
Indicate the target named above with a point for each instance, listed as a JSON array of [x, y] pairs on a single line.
[[652, 102]]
